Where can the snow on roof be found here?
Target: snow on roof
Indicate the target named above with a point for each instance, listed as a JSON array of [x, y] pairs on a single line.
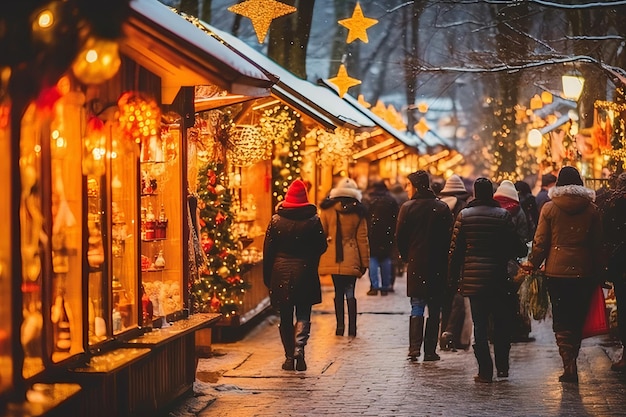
[[375, 118], [322, 99], [181, 31]]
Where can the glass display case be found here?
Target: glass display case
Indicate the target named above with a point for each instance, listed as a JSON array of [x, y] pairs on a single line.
[[66, 303], [6, 331], [33, 236], [161, 224], [110, 169]]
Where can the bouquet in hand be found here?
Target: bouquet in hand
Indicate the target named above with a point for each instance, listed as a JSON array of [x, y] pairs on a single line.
[[533, 294]]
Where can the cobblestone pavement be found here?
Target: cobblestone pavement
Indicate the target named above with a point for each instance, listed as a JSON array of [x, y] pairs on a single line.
[[370, 376]]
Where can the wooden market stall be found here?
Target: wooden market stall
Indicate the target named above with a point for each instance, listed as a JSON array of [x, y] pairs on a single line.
[[269, 142], [101, 318]]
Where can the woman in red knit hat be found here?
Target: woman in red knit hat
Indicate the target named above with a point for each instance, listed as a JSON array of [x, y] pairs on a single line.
[[294, 242]]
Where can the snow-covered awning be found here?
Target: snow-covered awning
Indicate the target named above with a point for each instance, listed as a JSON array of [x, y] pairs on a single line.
[[384, 141], [182, 54], [312, 99]]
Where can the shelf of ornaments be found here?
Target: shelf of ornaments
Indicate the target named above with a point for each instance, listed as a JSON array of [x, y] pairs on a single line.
[[156, 239], [154, 270]]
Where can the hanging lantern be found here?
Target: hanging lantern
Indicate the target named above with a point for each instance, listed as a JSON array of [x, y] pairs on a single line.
[[98, 61], [139, 120], [572, 86], [534, 138], [546, 97], [247, 145], [335, 149], [536, 102]]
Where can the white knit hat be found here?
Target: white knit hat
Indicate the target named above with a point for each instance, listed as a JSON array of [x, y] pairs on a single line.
[[346, 187], [507, 189], [453, 185]]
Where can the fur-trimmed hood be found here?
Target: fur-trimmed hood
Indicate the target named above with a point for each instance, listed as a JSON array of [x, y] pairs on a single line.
[[572, 198]]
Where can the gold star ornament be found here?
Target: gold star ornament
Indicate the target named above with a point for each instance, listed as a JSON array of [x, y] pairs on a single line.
[[261, 13], [343, 81], [422, 127], [361, 100], [357, 25]]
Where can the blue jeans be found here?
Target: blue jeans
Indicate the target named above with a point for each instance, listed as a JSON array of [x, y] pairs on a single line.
[[380, 268], [418, 305]]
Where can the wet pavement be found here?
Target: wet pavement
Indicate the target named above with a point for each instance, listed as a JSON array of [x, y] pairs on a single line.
[[370, 376]]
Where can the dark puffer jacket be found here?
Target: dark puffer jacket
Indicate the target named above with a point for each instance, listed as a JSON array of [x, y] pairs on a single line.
[[614, 229], [294, 242], [483, 241], [423, 237]]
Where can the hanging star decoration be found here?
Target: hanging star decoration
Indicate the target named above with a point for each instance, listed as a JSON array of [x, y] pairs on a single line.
[[261, 13], [361, 100], [422, 127], [343, 81], [357, 25], [422, 107]]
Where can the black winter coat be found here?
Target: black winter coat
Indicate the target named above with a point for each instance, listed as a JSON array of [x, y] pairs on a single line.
[[423, 238], [382, 219], [294, 242], [483, 241], [614, 233]]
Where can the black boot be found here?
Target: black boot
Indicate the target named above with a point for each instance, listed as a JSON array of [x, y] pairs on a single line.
[[501, 350], [568, 349], [485, 364], [287, 338], [430, 339], [416, 335], [339, 315], [351, 316], [303, 328]]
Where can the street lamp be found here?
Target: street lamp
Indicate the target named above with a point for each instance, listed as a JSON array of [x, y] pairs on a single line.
[[572, 86], [534, 138]]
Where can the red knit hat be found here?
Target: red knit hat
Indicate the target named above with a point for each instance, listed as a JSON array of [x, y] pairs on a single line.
[[296, 195]]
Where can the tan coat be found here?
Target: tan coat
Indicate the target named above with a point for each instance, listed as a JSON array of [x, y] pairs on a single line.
[[355, 242]]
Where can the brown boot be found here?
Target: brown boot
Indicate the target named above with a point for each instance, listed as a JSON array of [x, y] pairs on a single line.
[[339, 315], [351, 302], [568, 349]]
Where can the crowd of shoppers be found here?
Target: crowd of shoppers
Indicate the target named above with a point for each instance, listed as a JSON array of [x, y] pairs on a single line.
[[461, 253]]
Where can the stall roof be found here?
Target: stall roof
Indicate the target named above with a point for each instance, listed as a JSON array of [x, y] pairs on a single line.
[[309, 96], [382, 147], [184, 55]]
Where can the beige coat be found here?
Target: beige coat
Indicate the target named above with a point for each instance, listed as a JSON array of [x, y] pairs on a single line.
[[354, 240]]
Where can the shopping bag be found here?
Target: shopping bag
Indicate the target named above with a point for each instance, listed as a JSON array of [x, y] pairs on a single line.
[[596, 323]]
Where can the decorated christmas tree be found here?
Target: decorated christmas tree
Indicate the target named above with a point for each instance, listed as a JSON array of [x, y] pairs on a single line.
[[219, 287]]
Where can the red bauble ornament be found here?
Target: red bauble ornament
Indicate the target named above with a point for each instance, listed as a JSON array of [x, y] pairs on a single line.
[[223, 254], [215, 303], [207, 244], [212, 177], [219, 218]]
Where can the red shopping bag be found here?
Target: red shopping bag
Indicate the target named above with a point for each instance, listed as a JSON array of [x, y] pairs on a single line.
[[596, 323]]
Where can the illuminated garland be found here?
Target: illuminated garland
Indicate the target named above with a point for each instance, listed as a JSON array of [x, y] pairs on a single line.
[[335, 149], [284, 126], [617, 151], [219, 287]]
